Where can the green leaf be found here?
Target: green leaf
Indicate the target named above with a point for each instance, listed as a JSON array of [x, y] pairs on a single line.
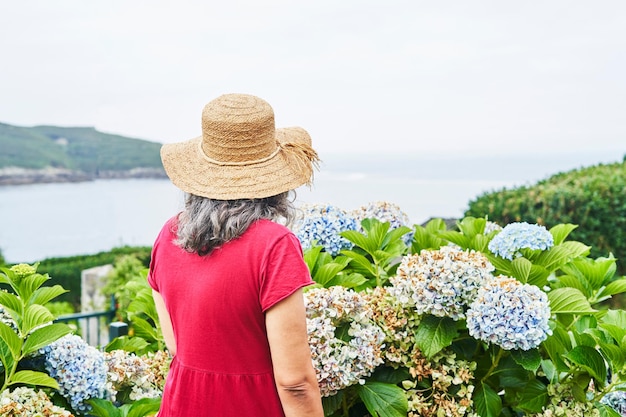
[[549, 369], [533, 397], [347, 280], [615, 287], [575, 282], [480, 243], [327, 272], [359, 262], [503, 266], [590, 360], [12, 302], [457, 238], [596, 272], [487, 402], [510, 374], [27, 286], [606, 411], [576, 249], [44, 295], [383, 400], [554, 257], [556, 345], [12, 340], [35, 315], [538, 276], [520, 268], [144, 329], [435, 333], [561, 231], [44, 336], [569, 300], [144, 406], [310, 256], [614, 322], [6, 357], [103, 408], [34, 378], [580, 386], [332, 403], [396, 235], [528, 359], [127, 343], [615, 355]]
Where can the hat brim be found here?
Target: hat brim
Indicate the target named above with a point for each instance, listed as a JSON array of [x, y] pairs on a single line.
[[190, 170]]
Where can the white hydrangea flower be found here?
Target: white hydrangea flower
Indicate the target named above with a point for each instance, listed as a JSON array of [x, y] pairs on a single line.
[[345, 343], [440, 282]]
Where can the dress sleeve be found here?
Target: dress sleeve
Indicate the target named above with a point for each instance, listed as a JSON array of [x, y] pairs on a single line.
[[285, 272]]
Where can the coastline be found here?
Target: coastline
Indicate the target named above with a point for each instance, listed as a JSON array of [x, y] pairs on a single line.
[[22, 176]]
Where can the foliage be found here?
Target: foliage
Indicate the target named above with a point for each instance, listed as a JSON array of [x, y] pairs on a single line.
[[138, 308], [540, 340], [140, 408], [127, 269], [30, 325], [48, 371], [66, 271], [593, 198], [77, 148]]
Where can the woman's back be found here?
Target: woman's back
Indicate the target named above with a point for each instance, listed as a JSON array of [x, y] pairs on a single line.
[[216, 305]]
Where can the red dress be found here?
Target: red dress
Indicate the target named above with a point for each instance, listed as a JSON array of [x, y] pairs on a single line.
[[217, 306]]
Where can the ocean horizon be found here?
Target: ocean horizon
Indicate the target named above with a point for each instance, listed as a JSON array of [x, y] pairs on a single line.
[[40, 221]]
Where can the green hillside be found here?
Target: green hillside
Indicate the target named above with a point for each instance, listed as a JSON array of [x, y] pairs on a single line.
[[76, 148]]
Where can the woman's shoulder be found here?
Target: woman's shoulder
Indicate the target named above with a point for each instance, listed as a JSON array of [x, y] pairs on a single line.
[[270, 227]]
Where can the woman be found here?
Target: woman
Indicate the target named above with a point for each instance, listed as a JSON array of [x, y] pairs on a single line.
[[227, 279]]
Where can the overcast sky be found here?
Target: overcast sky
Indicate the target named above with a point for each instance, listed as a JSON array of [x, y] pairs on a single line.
[[479, 76]]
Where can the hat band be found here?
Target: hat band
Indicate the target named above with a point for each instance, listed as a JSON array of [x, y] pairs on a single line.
[[237, 163]]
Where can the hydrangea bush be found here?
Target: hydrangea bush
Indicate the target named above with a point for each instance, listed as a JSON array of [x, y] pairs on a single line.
[[479, 320], [47, 371]]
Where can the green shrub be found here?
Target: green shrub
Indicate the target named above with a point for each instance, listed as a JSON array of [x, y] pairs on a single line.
[[593, 198], [66, 271]]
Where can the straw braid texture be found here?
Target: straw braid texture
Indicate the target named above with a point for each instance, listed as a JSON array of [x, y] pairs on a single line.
[[240, 155]]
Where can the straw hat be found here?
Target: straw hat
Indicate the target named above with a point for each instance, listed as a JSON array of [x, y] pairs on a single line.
[[240, 155]]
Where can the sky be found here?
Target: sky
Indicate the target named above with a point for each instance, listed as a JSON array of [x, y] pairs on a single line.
[[482, 77]]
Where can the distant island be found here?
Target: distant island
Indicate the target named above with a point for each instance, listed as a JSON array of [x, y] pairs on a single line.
[[45, 154]]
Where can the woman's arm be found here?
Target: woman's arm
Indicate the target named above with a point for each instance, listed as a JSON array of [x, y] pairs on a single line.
[[291, 357], [166, 323]]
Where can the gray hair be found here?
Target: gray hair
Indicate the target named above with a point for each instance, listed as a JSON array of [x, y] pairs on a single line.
[[206, 224]]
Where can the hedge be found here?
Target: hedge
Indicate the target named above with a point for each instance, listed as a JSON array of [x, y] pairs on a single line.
[[594, 198]]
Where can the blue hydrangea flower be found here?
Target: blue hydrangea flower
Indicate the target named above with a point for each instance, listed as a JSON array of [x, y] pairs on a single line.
[[79, 369], [616, 400], [384, 212], [516, 236], [440, 282], [509, 314], [321, 225]]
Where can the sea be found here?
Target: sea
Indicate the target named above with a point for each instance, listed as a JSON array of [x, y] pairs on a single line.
[[40, 221]]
